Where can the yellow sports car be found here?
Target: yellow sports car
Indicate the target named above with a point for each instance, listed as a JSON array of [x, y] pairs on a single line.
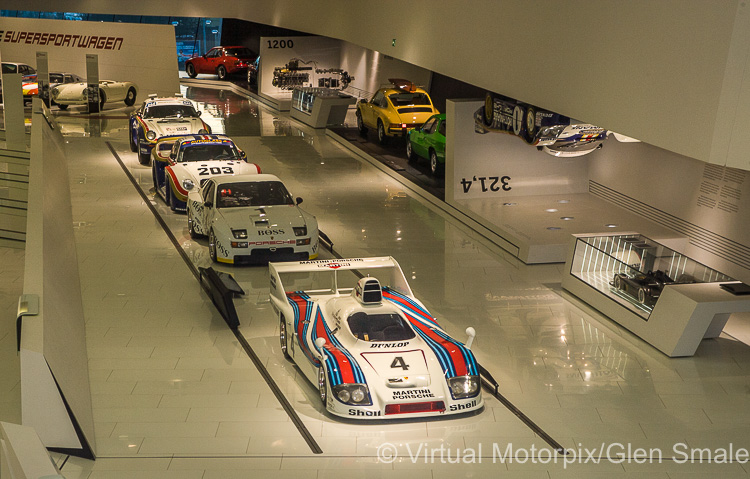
[[395, 110]]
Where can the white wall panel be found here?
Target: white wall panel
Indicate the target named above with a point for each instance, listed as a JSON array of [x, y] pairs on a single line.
[[144, 54]]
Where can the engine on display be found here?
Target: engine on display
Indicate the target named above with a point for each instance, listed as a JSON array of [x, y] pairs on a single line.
[[292, 75]]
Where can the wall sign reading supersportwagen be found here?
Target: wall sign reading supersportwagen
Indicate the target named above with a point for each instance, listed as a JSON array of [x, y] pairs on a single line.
[[487, 183], [62, 40]]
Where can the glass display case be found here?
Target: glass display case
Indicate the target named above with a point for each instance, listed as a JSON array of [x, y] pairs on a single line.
[[633, 270], [320, 107]]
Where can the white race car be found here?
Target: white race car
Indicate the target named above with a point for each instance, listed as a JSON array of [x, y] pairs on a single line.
[[181, 163], [372, 351], [163, 116], [76, 93], [251, 218]]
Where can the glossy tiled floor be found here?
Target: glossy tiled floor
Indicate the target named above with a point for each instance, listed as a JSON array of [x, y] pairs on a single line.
[[176, 396]]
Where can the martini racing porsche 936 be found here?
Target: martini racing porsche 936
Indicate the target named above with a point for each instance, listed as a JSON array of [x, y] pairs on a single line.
[[373, 351], [180, 164], [163, 116], [251, 219]]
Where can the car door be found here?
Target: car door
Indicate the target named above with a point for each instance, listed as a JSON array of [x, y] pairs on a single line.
[[370, 114], [209, 206], [421, 141], [212, 60]]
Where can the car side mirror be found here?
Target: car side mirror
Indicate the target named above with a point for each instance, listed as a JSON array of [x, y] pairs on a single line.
[[299, 200], [363, 100], [208, 204], [199, 112], [173, 156], [243, 155]]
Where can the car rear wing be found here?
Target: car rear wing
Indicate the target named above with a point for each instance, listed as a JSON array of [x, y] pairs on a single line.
[[385, 268]]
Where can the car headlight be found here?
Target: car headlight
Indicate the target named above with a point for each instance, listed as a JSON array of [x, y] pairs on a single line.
[[151, 135], [54, 92], [464, 386], [203, 131], [188, 184], [354, 394], [239, 234], [300, 230], [551, 131]]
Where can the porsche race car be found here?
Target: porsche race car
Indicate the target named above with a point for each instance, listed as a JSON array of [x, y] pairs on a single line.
[[251, 218], [551, 132], [373, 350], [646, 287], [163, 116], [31, 88], [109, 91], [182, 163]]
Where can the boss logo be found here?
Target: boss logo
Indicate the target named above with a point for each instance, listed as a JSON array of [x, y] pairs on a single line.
[[270, 232]]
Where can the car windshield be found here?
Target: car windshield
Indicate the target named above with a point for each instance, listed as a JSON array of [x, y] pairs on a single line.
[[379, 327], [404, 99], [55, 77], [240, 52], [170, 111], [252, 193], [208, 151]]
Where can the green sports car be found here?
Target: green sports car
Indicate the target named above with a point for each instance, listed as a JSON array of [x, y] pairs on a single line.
[[428, 141]]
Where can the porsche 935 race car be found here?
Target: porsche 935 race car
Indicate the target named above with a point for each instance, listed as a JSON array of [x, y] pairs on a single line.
[[551, 132], [180, 164], [68, 94], [163, 116], [373, 351], [251, 218]]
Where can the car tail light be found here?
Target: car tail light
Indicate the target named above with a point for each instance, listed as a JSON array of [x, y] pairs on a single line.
[[415, 407]]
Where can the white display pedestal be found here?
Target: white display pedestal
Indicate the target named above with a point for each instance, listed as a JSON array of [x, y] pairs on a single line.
[[683, 314], [320, 107]]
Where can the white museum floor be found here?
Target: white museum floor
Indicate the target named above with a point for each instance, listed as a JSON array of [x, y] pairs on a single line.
[[175, 395]]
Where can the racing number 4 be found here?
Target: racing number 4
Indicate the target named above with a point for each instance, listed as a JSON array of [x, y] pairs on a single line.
[[398, 362]]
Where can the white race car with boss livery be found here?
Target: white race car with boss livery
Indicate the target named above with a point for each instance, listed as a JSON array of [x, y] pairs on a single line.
[[251, 219], [373, 351], [163, 116], [181, 163]]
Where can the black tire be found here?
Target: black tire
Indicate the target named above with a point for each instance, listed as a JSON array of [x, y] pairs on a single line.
[[642, 295], [191, 226], [618, 282], [361, 124], [130, 97], [142, 159], [221, 72], [133, 145], [170, 199], [102, 99], [282, 337], [409, 151], [62, 107], [190, 70], [530, 119], [436, 168], [382, 137], [322, 385], [489, 109], [212, 246]]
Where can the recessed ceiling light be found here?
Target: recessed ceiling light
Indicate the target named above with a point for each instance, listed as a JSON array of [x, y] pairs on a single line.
[[610, 225], [553, 228], [551, 210], [563, 201], [566, 218]]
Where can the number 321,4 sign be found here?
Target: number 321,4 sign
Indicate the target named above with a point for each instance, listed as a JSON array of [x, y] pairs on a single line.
[[487, 183]]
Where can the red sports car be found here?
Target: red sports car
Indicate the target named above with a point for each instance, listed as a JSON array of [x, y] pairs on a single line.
[[221, 61]]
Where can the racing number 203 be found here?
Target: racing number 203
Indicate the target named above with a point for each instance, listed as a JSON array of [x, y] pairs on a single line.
[[215, 170]]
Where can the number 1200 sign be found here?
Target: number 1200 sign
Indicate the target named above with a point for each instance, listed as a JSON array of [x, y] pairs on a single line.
[[487, 183]]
